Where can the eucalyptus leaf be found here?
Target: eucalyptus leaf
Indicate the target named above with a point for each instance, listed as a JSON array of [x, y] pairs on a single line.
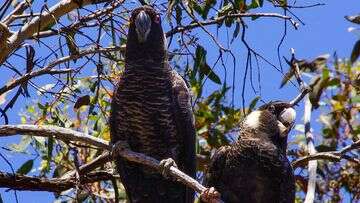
[[26, 167], [253, 103], [21, 147], [353, 19], [355, 52]]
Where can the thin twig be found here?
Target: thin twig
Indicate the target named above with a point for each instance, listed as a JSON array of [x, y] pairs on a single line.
[[220, 19], [335, 156], [19, 9], [48, 69], [305, 89], [36, 24]]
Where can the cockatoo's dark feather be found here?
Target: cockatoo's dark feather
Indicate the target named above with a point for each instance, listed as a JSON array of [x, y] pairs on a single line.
[[255, 169], [151, 110]]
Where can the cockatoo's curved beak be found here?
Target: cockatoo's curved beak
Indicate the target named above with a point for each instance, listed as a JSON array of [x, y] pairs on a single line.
[[286, 120], [143, 26]]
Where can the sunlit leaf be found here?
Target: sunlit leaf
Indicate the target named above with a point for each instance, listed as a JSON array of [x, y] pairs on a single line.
[[355, 52], [353, 19], [253, 103], [21, 147], [206, 70], [82, 101], [26, 167], [236, 32]]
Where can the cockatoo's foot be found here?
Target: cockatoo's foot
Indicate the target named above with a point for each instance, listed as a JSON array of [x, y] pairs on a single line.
[[118, 147], [165, 165], [210, 195]]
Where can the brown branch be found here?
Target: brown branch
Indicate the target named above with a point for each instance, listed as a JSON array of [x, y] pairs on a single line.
[[40, 22], [23, 182], [19, 9], [92, 165], [334, 156], [81, 22], [68, 135], [202, 161], [63, 134], [300, 96], [48, 69], [220, 19]]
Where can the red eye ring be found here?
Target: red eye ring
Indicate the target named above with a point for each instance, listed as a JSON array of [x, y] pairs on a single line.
[[157, 19]]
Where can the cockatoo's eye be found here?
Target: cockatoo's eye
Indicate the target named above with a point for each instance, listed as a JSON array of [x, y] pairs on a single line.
[[272, 108], [157, 19]]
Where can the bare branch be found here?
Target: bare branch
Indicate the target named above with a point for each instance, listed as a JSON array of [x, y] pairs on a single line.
[[23, 182], [220, 19], [305, 89], [86, 168], [19, 9], [40, 22], [63, 134], [68, 135], [331, 155], [81, 22], [299, 97], [48, 69], [312, 165]]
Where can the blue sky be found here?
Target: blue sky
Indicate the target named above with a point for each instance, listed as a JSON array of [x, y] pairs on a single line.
[[325, 32]]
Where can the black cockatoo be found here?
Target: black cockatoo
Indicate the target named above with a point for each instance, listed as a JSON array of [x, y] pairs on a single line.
[[151, 111], [255, 169]]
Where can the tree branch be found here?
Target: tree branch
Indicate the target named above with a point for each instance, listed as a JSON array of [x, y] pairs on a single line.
[[312, 165], [220, 19], [48, 69], [23, 182], [40, 22], [81, 22], [19, 9], [63, 134], [68, 135], [331, 156]]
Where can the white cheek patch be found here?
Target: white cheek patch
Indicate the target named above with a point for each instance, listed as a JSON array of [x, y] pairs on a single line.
[[253, 119]]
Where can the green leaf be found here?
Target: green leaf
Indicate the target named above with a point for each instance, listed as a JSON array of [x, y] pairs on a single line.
[[240, 5], [355, 52], [282, 2], [253, 103], [334, 82], [325, 148], [24, 143], [236, 31], [353, 19], [206, 70], [26, 167], [178, 11], [256, 4], [229, 22], [355, 100], [200, 57], [325, 74], [50, 146], [82, 101], [224, 10]]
